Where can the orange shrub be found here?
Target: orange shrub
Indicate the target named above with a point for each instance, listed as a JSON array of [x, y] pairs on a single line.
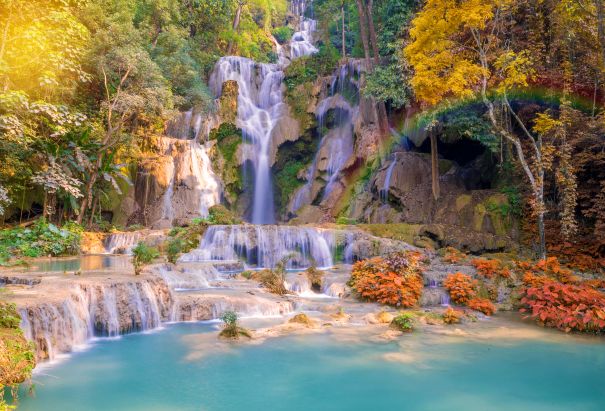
[[532, 280], [490, 268], [566, 307], [453, 255], [452, 316], [394, 280], [461, 287], [483, 305], [549, 267]]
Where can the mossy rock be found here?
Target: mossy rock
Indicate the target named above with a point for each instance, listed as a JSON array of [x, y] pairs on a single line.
[[228, 101], [462, 201]]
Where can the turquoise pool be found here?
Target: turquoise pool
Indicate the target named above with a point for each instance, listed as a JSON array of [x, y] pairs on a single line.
[[182, 367]]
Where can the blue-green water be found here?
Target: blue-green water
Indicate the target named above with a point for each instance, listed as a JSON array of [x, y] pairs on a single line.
[[168, 370]]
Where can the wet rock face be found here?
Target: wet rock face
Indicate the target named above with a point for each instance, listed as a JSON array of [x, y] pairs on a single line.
[[468, 219]]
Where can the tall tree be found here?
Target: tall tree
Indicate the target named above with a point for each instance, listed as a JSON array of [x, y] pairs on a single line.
[[459, 49]]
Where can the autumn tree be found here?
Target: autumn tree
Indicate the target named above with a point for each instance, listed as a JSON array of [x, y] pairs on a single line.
[[463, 49]]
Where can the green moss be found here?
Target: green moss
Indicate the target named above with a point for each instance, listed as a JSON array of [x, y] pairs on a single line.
[[462, 201], [228, 138], [292, 157], [400, 231]]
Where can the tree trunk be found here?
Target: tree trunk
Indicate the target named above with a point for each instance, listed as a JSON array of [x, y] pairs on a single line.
[[363, 28], [434, 166], [601, 29], [236, 19], [344, 48], [373, 38]]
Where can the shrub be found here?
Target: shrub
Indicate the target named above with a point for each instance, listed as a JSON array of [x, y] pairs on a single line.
[[550, 268], [566, 307], [40, 239], [461, 287], [491, 268], [231, 329], [174, 249], [219, 214], [394, 280], [403, 322], [143, 254], [184, 239], [452, 316], [282, 34], [483, 305], [453, 255], [9, 318]]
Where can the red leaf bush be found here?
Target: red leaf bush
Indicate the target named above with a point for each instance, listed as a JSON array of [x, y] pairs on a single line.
[[395, 280], [461, 287], [565, 306], [483, 305], [491, 268]]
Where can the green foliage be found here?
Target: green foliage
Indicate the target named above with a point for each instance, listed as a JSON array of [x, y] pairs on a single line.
[[231, 329], [184, 239], [345, 221], [174, 249], [307, 69], [403, 322], [9, 317], [143, 254], [389, 85], [287, 181], [219, 214], [229, 318], [282, 34], [40, 239]]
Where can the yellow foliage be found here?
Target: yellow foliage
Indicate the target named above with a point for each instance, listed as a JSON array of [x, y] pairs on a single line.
[[445, 54]]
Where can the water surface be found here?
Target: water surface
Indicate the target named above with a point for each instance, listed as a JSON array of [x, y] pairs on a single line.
[[169, 370]]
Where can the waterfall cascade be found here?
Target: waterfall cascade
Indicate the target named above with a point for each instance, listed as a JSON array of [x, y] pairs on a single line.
[[121, 243], [263, 246], [92, 309], [192, 185], [260, 109], [384, 191], [336, 145], [301, 43]]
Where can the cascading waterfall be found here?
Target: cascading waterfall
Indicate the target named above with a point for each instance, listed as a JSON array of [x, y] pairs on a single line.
[[260, 107], [121, 243], [91, 310], [301, 43], [264, 246], [384, 191], [191, 165], [336, 146]]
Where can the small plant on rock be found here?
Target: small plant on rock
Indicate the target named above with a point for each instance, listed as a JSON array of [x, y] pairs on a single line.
[[143, 254], [452, 316], [461, 287], [403, 322], [231, 329]]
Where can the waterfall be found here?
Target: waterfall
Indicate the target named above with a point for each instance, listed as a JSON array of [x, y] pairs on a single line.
[[336, 146], [121, 243], [301, 43], [260, 106], [264, 246], [191, 166], [384, 192], [90, 310]]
